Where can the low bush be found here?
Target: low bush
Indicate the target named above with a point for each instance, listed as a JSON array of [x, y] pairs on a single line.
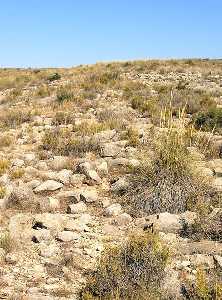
[[63, 142], [132, 270], [206, 286], [5, 241], [207, 225], [4, 165], [14, 117], [65, 93], [167, 182], [209, 120], [54, 77]]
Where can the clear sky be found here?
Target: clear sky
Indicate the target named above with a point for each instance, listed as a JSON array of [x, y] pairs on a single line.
[[41, 33]]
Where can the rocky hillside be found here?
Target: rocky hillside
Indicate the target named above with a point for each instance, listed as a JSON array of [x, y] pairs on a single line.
[[111, 181]]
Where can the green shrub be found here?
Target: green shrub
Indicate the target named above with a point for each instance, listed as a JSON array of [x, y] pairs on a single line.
[[132, 270], [65, 93], [54, 77], [209, 120]]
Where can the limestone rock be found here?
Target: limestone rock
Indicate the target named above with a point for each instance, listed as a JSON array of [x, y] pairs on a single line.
[[113, 210], [68, 236], [87, 169], [77, 208], [89, 196], [49, 185]]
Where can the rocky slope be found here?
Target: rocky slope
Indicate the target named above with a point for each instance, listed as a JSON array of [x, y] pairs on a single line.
[[62, 203]]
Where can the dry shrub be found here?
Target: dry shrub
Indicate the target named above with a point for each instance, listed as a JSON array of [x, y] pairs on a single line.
[[167, 183], [5, 141], [5, 241], [206, 286], [4, 165], [14, 117], [16, 173], [132, 270], [64, 142], [64, 117], [207, 225]]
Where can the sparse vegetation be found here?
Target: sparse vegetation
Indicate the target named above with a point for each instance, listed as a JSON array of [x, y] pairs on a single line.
[[110, 144]]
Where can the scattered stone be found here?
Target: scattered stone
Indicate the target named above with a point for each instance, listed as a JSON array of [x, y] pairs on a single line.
[[122, 219], [49, 185], [77, 179], [112, 149], [68, 236], [18, 163], [71, 196], [91, 174], [77, 208], [113, 210], [64, 176], [89, 196], [58, 163], [217, 184], [120, 186]]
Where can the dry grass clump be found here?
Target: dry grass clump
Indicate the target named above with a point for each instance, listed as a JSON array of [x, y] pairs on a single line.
[[4, 166], [167, 183], [5, 241], [5, 140], [16, 173], [65, 93], [132, 135], [132, 270], [14, 117], [2, 192], [89, 127], [43, 91], [206, 286], [114, 118], [64, 117], [205, 143], [63, 142]]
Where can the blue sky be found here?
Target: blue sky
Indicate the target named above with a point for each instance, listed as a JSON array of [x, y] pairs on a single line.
[[41, 33]]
